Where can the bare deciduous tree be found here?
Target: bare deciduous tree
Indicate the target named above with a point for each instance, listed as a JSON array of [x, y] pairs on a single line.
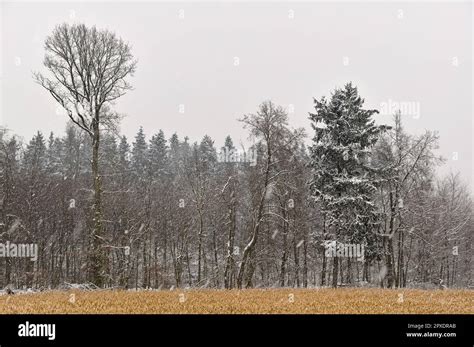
[[88, 70], [270, 126]]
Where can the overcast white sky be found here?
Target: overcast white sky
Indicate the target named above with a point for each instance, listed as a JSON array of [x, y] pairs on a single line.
[[287, 52]]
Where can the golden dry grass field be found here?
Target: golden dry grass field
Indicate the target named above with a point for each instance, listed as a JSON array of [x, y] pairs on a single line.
[[351, 301]]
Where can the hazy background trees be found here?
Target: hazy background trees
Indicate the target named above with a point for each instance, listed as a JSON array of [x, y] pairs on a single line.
[[176, 215]]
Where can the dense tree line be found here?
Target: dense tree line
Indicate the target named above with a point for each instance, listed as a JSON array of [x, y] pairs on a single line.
[[159, 212], [198, 214]]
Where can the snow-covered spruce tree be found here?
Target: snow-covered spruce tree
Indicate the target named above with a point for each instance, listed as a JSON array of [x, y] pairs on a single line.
[[139, 155], [157, 155], [341, 177]]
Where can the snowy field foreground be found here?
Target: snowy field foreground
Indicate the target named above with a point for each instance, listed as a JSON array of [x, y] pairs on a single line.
[[331, 301]]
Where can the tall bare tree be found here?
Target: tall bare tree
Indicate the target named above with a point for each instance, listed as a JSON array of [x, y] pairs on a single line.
[[270, 127], [403, 160], [88, 70]]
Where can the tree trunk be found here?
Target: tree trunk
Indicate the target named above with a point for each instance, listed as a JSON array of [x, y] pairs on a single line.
[[283, 262], [305, 263], [284, 255], [256, 228], [389, 263], [98, 259], [296, 259], [323, 269], [229, 266], [200, 244], [216, 260], [335, 271]]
